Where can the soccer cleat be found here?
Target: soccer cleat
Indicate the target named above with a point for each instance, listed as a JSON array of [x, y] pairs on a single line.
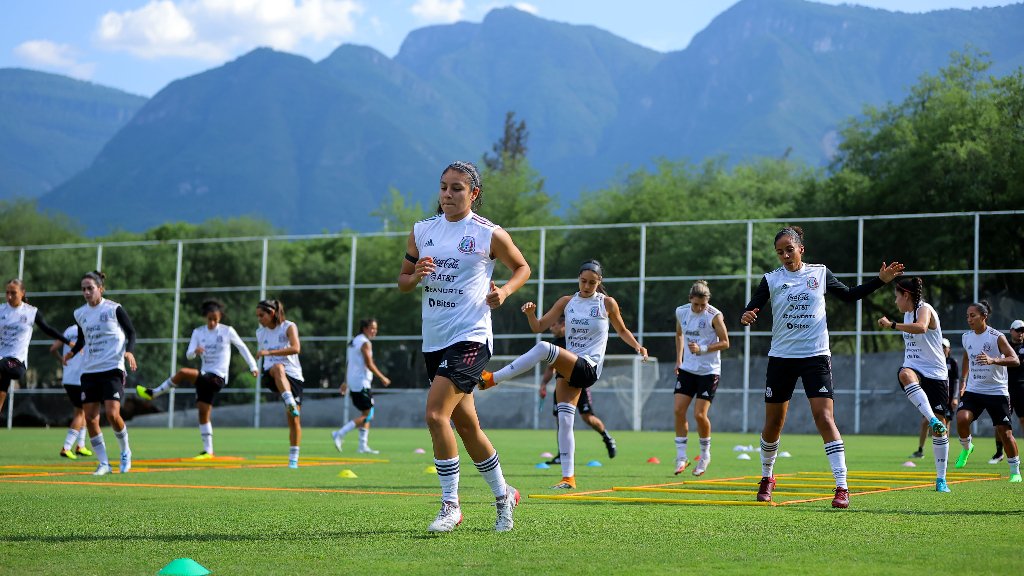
[[367, 450], [83, 451], [681, 466], [842, 498], [764, 489], [486, 380], [941, 486], [68, 454], [293, 409], [126, 462], [448, 518], [556, 460], [568, 483], [204, 455], [293, 464], [702, 466], [918, 454], [1015, 478], [505, 507], [938, 428], [143, 392], [996, 459], [961, 461], [339, 438], [102, 469], [609, 443]]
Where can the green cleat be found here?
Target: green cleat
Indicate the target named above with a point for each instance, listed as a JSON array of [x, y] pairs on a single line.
[[83, 451], [143, 392], [961, 461], [1015, 478]]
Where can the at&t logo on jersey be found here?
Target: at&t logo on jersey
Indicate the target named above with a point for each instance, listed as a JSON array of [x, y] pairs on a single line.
[[812, 283], [467, 245]]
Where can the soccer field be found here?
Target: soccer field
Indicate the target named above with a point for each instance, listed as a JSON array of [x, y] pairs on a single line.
[[247, 513]]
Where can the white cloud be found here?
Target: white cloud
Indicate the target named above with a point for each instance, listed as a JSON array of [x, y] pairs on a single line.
[[62, 57], [438, 10], [217, 29], [526, 7]]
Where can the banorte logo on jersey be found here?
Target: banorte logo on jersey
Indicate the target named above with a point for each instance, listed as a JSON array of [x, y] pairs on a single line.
[[467, 245]]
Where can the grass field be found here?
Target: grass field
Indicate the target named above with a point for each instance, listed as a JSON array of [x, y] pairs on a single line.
[[255, 516]]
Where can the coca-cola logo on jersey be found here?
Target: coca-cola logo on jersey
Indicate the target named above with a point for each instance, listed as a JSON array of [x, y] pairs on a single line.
[[449, 263]]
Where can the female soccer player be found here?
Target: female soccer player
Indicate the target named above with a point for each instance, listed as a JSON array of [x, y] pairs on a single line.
[[17, 318], [800, 350], [987, 354], [72, 382], [211, 342], [452, 254], [923, 377], [588, 313], [360, 372], [105, 327], [700, 338], [278, 341]]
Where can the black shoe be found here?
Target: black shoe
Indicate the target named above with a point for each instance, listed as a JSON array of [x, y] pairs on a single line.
[[556, 460], [609, 443], [918, 454]]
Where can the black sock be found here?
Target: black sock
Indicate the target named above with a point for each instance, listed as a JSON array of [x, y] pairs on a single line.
[[605, 435]]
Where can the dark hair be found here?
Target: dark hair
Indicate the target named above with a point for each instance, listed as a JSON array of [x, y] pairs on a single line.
[[274, 307], [468, 169], [983, 307], [914, 286], [17, 282], [595, 267], [794, 232], [365, 323], [96, 276], [211, 305], [701, 289]]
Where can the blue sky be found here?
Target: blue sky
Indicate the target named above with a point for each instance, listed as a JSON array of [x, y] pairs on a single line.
[[142, 45]]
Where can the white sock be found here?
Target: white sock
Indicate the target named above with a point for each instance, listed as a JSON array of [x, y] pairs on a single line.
[[348, 427], [566, 439], [448, 474], [1014, 464], [769, 450], [680, 448], [288, 399], [836, 452], [82, 435], [542, 351], [705, 448], [966, 442], [162, 388], [940, 446], [491, 471], [206, 433], [69, 439], [364, 434], [293, 454], [122, 439], [100, 448], [919, 399]]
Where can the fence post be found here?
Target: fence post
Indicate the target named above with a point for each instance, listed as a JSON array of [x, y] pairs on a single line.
[[21, 263], [259, 375], [351, 311], [10, 407], [746, 330], [860, 309], [540, 306]]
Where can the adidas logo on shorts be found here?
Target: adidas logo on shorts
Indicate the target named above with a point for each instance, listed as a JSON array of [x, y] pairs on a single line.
[[705, 393], [117, 395], [824, 390], [443, 364]]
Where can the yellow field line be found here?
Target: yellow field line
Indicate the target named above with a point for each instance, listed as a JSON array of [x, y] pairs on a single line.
[[906, 474], [700, 491], [578, 497], [929, 485]]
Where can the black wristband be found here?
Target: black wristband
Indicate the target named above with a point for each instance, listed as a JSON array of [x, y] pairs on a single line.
[[410, 257], [893, 325]]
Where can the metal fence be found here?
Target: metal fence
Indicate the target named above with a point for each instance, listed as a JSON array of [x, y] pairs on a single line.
[[649, 283]]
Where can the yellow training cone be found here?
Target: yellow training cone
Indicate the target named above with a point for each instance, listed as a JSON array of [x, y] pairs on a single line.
[[347, 474], [430, 470]]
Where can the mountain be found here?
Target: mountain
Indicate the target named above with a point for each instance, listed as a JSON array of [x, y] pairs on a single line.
[[315, 146], [52, 127]]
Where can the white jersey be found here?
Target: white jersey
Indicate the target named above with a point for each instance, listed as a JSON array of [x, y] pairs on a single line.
[[16, 330], [357, 374], [799, 329], [983, 378], [276, 339], [216, 345], [586, 328], [73, 371], [698, 328], [104, 338], [455, 295], [923, 352]]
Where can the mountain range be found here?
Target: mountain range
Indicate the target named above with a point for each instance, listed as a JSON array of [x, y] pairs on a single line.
[[314, 146]]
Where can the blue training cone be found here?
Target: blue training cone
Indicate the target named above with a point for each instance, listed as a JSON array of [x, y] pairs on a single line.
[[542, 466], [183, 567], [594, 463]]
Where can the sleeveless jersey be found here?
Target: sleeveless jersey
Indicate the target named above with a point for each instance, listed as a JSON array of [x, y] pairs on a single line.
[[799, 329], [216, 345], [923, 352], [104, 338], [357, 374], [698, 328], [586, 328], [73, 371], [276, 339], [983, 378], [454, 296], [16, 330]]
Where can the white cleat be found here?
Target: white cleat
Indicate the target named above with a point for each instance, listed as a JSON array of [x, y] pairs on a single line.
[[338, 439], [367, 450], [702, 466], [102, 470], [505, 507], [447, 519], [126, 462]]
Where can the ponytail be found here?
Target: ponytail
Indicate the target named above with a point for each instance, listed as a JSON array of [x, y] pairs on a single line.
[[273, 307], [914, 286]]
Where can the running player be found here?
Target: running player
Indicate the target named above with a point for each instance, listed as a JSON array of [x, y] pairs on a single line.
[[1015, 384], [452, 254], [987, 354], [700, 338], [212, 343], [360, 372], [952, 398], [923, 377], [279, 347], [105, 327], [800, 349], [17, 318], [588, 313], [72, 382]]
